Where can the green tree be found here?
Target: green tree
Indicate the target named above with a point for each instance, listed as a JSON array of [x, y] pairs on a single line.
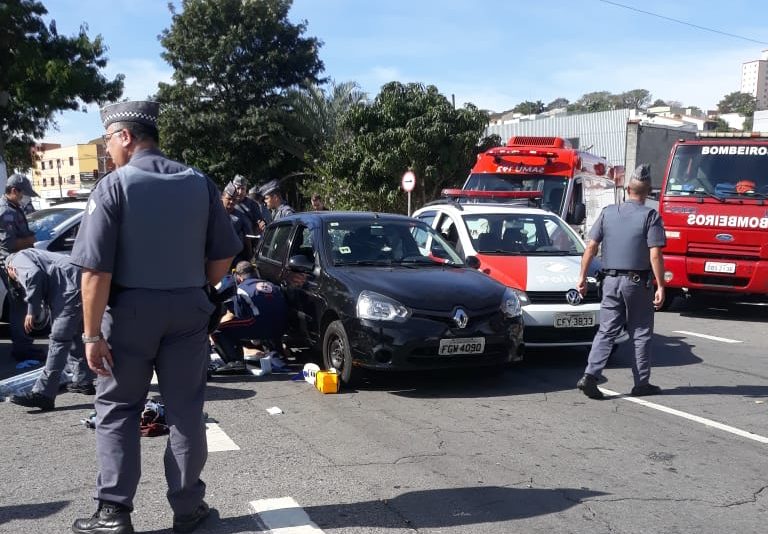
[[235, 62], [557, 103], [737, 102], [407, 126], [594, 101], [529, 108], [720, 125], [41, 73], [634, 99], [658, 103]]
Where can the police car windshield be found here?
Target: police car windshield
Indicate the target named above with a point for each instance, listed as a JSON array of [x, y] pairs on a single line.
[[44, 221], [720, 171], [407, 243], [552, 187], [521, 234]]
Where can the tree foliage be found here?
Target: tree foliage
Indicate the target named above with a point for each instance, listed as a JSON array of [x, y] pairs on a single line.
[[529, 108], [737, 102], [606, 101], [41, 73], [557, 103], [407, 126], [234, 63]]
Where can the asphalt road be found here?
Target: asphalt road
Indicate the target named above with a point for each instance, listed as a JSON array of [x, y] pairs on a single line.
[[472, 452]]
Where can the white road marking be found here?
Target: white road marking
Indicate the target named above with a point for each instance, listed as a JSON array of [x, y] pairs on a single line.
[[283, 516], [703, 420], [218, 440], [706, 336]]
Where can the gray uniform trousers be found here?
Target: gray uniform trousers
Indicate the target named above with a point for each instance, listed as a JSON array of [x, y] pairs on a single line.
[[630, 303], [164, 331], [65, 347]]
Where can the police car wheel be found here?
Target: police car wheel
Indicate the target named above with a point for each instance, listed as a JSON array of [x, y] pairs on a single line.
[[336, 352]]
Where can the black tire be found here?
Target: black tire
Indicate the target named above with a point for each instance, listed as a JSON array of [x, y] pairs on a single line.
[[336, 352]]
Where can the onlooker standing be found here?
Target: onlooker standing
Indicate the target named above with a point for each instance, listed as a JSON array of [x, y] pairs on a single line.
[[317, 202], [145, 265], [273, 198], [632, 236], [245, 205], [15, 235], [50, 280], [240, 222]]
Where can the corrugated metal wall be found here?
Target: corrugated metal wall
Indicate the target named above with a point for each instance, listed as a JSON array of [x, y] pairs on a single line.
[[606, 131]]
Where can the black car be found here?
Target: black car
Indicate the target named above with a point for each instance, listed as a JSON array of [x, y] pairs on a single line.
[[384, 291]]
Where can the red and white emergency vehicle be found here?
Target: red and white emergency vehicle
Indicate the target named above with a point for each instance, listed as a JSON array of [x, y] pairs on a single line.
[[714, 203], [573, 183]]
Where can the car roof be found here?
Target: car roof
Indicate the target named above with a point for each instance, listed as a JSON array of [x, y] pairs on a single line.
[[474, 208], [321, 216], [79, 204]]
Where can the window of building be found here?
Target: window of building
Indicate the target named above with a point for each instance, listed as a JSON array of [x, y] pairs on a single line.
[[42, 165], [45, 182], [71, 179], [71, 161]]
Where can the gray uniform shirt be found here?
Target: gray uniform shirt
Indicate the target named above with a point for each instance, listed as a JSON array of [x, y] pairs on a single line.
[[47, 277], [13, 225], [283, 210], [627, 231], [249, 209], [130, 228]]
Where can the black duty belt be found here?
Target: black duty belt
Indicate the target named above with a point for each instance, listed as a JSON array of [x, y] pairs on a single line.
[[636, 276]]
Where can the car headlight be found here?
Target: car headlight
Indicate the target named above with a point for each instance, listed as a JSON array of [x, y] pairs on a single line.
[[510, 304], [522, 296], [377, 307]]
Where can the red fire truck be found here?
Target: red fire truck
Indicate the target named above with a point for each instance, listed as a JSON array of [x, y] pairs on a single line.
[[714, 203], [575, 184]]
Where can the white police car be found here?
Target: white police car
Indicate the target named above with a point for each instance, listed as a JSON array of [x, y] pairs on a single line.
[[532, 251]]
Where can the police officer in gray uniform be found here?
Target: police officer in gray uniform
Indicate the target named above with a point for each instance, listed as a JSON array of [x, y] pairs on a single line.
[[273, 197], [254, 193], [240, 222], [632, 236], [146, 264], [15, 235], [52, 285], [246, 205]]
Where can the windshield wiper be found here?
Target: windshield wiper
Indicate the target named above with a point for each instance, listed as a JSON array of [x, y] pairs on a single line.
[[364, 262], [709, 194]]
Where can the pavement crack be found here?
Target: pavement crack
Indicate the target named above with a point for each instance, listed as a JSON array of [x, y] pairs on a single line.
[[752, 500]]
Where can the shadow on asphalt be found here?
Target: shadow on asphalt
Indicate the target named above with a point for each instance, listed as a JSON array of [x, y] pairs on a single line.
[[726, 309], [216, 393], [30, 511], [441, 508], [749, 391]]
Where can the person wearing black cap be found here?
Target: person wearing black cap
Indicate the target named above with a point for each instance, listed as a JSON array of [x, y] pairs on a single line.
[[632, 236], [15, 235], [52, 290], [254, 193], [273, 198], [240, 222], [257, 311], [146, 266], [246, 205]]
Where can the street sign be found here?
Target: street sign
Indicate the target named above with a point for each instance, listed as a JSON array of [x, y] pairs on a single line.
[[408, 182]]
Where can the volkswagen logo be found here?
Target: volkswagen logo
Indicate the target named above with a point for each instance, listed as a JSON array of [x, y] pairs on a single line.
[[460, 317], [573, 297], [724, 237]]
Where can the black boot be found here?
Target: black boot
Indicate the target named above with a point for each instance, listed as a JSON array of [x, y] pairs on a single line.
[[588, 385], [189, 522], [33, 399], [110, 518]]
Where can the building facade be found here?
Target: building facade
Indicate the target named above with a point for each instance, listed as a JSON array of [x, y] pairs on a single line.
[[64, 172], [754, 79]]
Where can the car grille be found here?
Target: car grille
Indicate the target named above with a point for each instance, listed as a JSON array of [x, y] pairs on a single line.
[[475, 316], [735, 252], [558, 297], [547, 334], [725, 281]]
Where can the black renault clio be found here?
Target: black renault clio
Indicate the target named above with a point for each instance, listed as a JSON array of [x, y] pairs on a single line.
[[384, 291]]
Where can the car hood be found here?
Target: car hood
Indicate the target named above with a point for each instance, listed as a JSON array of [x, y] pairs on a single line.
[[534, 273], [430, 288]]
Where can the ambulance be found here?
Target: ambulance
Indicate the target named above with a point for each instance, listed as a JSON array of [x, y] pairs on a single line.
[[714, 204], [572, 183]]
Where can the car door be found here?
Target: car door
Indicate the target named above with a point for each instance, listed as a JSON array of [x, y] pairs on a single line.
[[302, 290], [273, 252]]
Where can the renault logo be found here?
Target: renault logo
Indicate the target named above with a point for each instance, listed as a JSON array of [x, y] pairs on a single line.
[[573, 297], [460, 317]]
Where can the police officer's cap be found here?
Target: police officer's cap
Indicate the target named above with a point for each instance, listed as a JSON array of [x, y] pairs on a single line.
[[21, 182], [240, 181], [245, 268], [642, 173], [140, 111], [255, 191], [230, 190], [270, 187]]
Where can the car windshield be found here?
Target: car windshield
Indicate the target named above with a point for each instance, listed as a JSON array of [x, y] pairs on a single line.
[[721, 171], [522, 234], [552, 187], [42, 222], [408, 243]]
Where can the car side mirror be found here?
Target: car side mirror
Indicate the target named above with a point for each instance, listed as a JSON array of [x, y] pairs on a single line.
[[301, 264], [472, 262], [579, 214]]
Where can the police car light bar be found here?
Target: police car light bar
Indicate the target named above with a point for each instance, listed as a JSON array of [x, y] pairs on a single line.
[[467, 193], [524, 152], [732, 135]]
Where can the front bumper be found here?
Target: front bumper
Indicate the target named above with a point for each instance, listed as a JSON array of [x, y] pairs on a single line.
[[414, 344], [750, 277], [540, 330]]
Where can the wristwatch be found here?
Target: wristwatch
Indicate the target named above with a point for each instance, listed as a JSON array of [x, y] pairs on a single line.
[[92, 339]]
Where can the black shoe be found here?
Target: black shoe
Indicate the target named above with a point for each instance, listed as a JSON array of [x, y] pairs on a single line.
[[34, 400], [110, 518], [236, 367], [644, 390], [83, 388], [189, 522], [588, 385]]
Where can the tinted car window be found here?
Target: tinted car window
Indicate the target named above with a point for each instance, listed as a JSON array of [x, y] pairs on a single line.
[[276, 243], [43, 222]]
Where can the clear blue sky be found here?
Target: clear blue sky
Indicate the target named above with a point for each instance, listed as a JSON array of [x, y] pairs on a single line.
[[492, 53]]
